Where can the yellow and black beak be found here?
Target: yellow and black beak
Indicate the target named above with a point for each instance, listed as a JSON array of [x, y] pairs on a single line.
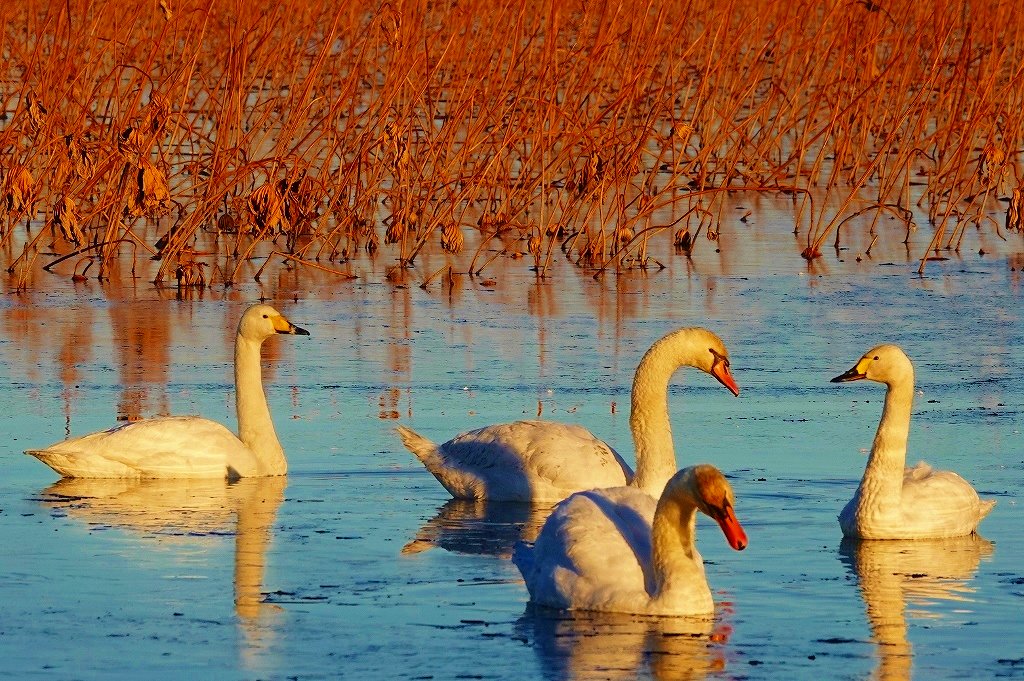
[[282, 325], [854, 374]]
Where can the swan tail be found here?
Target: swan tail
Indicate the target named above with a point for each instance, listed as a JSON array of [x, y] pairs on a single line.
[[416, 546], [986, 507], [72, 464], [459, 483], [44, 456], [425, 450]]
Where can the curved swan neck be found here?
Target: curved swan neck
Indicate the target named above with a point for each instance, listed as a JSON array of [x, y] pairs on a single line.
[[255, 428], [648, 416], [678, 570]]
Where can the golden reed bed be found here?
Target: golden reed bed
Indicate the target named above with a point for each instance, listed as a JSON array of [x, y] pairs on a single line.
[[206, 141]]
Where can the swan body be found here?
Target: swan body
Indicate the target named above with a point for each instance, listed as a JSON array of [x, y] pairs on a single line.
[[190, 446], [544, 461], [894, 501], [619, 550]]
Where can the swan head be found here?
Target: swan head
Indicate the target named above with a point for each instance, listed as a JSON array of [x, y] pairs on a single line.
[[702, 349], [883, 363], [713, 495], [262, 321]]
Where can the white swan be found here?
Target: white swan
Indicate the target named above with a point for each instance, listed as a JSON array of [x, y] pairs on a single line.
[[190, 446], [894, 501], [619, 550], [544, 461]]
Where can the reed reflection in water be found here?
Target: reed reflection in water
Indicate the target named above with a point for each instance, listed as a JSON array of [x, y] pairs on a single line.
[[893, 574], [142, 352], [186, 511]]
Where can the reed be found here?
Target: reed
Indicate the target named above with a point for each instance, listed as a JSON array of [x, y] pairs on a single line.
[[226, 139]]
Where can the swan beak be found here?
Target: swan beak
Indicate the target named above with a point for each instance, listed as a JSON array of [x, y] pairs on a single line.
[[282, 325], [854, 374], [720, 370], [731, 528]]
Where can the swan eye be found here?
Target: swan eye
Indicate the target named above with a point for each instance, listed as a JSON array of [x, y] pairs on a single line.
[[719, 357], [876, 358], [266, 316], [719, 513]]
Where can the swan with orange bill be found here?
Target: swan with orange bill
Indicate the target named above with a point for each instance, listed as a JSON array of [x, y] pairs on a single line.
[[546, 461]]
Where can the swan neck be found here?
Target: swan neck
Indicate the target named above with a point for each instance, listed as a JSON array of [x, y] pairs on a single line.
[[255, 427], [883, 476], [890, 443], [678, 569], [649, 418]]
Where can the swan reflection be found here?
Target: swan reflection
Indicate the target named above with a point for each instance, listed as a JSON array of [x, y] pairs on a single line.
[[480, 527], [895, 574], [185, 510], [617, 646]]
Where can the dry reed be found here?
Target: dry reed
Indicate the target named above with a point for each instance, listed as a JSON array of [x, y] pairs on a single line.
[[299, 131]]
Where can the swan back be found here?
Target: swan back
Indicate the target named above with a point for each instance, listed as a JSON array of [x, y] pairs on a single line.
[[532, 461], [617, 550]]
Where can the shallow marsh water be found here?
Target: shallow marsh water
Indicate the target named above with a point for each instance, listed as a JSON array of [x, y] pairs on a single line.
[[358, 566]]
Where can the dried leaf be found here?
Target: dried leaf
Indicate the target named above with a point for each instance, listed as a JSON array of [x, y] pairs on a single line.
[[451, 238], [65, 219], [150, 196], [266, 206], [1015, 211]]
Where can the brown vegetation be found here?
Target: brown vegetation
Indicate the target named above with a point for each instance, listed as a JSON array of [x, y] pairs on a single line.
[[303, 132]]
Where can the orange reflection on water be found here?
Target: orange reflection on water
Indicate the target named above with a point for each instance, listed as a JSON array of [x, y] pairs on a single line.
[[175, 514], [398, 355], [146, 341], [582, 645], [75, 351], [895, 574], [141, 340]]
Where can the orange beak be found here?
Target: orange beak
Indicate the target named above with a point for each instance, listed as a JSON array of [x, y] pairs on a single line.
[[720, 370], [732, 529]]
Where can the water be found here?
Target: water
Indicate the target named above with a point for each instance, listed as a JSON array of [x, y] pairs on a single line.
[[359, 566]]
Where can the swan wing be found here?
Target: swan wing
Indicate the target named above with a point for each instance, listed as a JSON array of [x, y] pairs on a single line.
[[175, 446], [940, 503], [594, 553], [539, 461]]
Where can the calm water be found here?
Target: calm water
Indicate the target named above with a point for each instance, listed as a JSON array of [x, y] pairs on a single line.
[[307, 577]]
